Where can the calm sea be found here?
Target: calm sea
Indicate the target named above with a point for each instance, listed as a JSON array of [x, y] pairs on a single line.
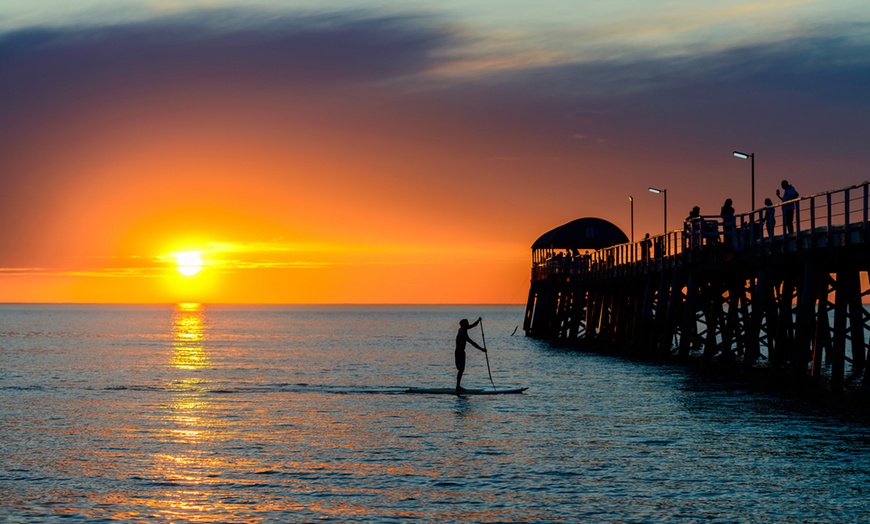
[[298, 414]]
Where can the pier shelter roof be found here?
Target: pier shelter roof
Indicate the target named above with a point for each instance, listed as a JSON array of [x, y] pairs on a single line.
[[583, 233]]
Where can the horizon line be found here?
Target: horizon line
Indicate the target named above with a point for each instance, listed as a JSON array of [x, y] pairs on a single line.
[[262, 303]]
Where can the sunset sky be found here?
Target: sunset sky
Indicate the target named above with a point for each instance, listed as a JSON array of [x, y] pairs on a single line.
[[395, 151]]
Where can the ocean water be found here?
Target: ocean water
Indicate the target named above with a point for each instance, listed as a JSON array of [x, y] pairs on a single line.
[[194, 413]]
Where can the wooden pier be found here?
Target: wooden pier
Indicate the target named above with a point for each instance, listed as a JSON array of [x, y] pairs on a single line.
[[738, 293]]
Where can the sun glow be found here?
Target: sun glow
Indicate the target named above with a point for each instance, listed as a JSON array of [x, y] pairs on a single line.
[[189, 263]]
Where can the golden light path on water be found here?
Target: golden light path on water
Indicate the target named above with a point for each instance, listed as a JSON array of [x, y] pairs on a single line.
[[188, 334], [202, 478], [192, 422], [200, 423]]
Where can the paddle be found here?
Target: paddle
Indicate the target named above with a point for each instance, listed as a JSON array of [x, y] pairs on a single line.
[[486, 353]]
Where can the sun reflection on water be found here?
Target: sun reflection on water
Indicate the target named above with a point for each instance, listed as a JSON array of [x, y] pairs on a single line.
[[188, 332], [190, 416], [189, 463]]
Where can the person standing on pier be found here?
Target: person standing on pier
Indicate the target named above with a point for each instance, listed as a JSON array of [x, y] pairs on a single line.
[[727, 214], [692, 229], [461, 339], [769, 217], [645, 246], [789, 194]]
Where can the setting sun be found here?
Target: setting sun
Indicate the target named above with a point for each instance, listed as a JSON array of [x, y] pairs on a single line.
[[189, 263]]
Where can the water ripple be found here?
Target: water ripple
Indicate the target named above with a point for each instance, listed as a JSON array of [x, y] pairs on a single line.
[[295, 415]]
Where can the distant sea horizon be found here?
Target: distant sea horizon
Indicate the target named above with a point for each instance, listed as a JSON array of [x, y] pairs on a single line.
[[271, 303]]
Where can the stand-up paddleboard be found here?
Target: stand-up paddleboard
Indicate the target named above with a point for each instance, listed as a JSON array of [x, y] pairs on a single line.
[[453, 391], [463, 392]]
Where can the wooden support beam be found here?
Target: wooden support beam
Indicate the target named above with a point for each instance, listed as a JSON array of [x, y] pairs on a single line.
[[646, 328], [822, 336], [661, 310], [761, 297], [689, 327], [806, 321], [838, 348], [784, 336], [530, 309], [715, 314], [674, 309], [856, 321]]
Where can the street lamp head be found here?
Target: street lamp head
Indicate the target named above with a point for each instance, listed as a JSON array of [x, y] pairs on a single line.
[[744, 156], [630, 198], [654, 190]]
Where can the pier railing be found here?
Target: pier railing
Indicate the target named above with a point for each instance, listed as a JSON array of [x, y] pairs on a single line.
[[832, 218]]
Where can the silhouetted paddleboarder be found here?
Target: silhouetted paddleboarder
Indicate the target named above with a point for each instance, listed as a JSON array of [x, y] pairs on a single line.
[[461, 339]]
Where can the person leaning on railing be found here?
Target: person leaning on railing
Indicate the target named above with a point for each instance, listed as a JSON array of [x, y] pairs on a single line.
[[692, 228], [645, 246], [769, 217], [789, 194]]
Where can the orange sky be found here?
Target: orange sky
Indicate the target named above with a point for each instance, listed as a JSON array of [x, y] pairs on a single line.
[[283, 210], [374, 159]]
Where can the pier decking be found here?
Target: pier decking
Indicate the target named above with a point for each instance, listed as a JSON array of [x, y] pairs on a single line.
[[736, 292]]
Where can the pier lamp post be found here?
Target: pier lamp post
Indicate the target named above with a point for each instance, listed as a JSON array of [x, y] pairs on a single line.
[[750, 156], [663, 192], [631, 201]]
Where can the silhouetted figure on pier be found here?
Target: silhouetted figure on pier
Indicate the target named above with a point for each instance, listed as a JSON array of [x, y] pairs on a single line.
[[645, 246], [727, 214], [461, 339], [692, 228], [769, 217], [789, 193], [659, 248]]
